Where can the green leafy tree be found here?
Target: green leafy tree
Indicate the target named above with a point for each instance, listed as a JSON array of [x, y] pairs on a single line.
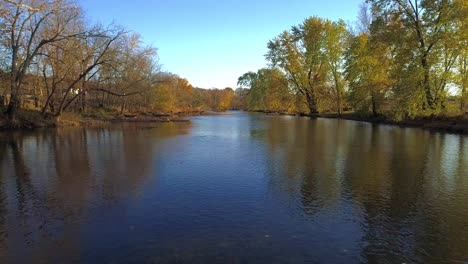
[[367, 67], [422, 29], [298, 52], [269, 90], [335, 45]]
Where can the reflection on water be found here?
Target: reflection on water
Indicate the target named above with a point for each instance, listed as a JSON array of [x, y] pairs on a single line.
[[236, 188], [404, 190], [52, 180]]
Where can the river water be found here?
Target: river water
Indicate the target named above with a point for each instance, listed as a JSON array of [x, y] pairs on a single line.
[[234, 188]]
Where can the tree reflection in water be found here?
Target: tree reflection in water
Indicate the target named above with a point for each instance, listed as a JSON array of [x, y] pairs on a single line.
[[406, 187], [236, 187], [52, 180]]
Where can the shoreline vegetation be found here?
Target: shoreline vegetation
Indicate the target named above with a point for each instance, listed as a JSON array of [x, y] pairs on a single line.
[[450, 124], [58, 70], [391, 67], [29, 119], [402, 63], [32, 119]]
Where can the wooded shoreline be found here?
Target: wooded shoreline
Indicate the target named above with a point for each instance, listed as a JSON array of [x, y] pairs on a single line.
[[30, 120], [449, 124], [393, 67]]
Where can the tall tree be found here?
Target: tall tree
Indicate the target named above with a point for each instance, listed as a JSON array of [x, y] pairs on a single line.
[[24, 22], [428, 24], [461, 72], [336, 41], [367, 65], [269, 90], [299, 52], [81, 59]]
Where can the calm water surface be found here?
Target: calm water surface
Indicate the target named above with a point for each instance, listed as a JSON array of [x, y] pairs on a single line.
[[234, 188]]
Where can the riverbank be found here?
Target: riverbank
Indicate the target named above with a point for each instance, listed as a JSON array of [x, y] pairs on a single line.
[[451, 124], [32, 119]]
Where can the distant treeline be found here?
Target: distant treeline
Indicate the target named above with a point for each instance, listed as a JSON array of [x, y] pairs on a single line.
[[401, 59], [53, 60]]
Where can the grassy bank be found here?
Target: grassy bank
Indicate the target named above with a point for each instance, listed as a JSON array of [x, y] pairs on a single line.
[[32, 119]]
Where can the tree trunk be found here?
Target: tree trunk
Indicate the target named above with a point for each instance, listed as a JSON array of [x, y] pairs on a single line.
[[15, 102], [374, 106], [48, 103], [463, 100], [83, 102], [426, 84], [338, 93], [83, 95], [13, 107], [51, 106], [311, 104], [123, 106]]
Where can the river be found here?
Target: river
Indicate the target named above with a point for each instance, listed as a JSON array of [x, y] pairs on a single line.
[[234, 188]]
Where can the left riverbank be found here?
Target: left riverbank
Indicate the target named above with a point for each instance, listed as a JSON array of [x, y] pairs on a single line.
[[32, 119]]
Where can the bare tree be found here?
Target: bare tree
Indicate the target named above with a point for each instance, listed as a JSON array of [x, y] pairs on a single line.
[[24, 39], [80, 61]]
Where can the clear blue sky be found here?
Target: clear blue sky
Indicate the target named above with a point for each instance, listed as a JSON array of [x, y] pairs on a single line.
[[209, 42]]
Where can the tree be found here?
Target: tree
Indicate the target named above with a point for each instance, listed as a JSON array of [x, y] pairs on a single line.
[[239, 102], [427, 26], [462, 79], [247, 79], [367, 67], [130, 69], [311, 54], [336, 38], [227, 94], [78, 62], [24, 22], [461, 76], [269, 90]]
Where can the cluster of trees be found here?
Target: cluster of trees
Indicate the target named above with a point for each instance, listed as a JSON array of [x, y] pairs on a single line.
[[53, 60], [51, 39], [179, 96], [269, 90], [404, 58]]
